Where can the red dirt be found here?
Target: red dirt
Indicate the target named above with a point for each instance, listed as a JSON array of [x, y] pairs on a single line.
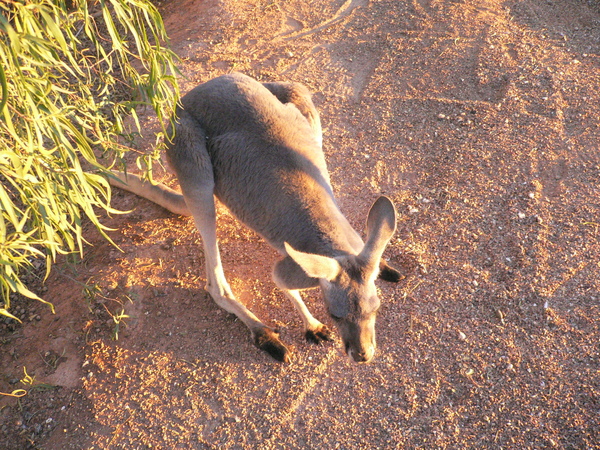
[[480, 120]]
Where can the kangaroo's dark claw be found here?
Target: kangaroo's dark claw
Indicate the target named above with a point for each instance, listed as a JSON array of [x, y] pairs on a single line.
[[268, 341], [319, 335], [388, 273]]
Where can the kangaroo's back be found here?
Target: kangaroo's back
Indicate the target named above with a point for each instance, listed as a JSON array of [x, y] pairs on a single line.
[[268, 166]]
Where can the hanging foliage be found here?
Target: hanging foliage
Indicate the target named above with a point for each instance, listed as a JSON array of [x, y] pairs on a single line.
[[70, 73]]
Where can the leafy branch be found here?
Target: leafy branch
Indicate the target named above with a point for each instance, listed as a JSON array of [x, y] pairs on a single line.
[[69, 76]]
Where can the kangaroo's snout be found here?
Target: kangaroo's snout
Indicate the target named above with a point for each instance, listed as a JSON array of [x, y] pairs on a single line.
[[358, 338], [361, 356]]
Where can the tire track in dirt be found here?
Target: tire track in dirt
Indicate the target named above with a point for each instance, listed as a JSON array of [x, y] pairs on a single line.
[[302, 399], [342, 13]]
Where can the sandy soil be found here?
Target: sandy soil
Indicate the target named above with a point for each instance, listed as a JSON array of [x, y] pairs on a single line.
[[480, 120]]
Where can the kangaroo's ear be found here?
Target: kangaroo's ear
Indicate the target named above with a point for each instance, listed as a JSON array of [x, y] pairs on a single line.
[[315, 266], [381, 226]]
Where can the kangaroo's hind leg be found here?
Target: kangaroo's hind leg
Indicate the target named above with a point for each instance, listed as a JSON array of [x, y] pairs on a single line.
[[189, 158]]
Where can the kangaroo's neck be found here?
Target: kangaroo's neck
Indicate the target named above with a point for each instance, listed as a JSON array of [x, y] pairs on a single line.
[[335, 236], [316, 224]]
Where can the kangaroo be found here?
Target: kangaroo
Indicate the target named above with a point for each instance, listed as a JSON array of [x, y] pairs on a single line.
[[257, 147]]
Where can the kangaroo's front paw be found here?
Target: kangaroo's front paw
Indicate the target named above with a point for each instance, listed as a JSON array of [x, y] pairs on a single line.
[[267, 340], [318, 335]]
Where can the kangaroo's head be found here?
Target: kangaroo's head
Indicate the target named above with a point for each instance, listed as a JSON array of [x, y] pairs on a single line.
[[348, 282]]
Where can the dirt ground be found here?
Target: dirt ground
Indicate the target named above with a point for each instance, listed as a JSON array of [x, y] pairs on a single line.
[[480, 120]]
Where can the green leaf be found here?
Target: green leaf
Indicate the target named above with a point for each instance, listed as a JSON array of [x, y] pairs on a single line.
[[5, 312]]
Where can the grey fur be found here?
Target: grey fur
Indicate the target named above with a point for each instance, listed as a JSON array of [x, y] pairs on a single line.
[[257, 148]]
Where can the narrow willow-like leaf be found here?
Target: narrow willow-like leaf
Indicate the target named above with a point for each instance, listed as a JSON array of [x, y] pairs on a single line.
[[5, 313], [4, 90]]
